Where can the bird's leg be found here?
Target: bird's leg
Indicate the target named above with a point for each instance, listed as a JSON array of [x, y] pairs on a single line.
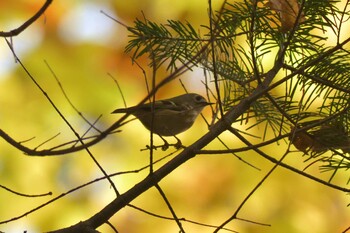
[[178, 144], [164, 147], [166, 144]]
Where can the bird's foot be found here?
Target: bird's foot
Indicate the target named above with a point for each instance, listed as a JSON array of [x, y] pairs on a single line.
[[164, 147], [178, 145]]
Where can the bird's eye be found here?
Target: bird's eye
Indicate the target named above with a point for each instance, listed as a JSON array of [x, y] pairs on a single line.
[[199, 98]]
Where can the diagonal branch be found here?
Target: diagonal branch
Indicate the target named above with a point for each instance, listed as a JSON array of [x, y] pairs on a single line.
[[26, 24]]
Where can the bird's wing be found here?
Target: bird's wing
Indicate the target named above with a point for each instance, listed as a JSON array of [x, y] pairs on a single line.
[[158, 105]]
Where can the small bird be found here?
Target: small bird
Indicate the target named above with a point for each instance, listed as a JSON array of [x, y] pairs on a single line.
[[170, 116]]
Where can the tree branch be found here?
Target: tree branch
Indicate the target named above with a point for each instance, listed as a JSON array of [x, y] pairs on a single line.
[[26, 24]]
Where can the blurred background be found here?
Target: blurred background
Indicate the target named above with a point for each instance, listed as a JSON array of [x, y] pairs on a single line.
[[84, 48]]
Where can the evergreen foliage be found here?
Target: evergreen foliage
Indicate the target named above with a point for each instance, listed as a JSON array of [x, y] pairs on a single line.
[[243, 42]]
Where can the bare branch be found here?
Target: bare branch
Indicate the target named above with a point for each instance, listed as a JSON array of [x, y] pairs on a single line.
[[26, 24]]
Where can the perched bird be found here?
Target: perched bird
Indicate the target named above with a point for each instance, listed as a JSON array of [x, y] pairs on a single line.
[[170, 116]]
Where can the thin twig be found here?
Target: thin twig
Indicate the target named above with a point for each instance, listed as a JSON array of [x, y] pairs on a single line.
[[26, 24], [119, 89], [63, 118], [181, 219], [25, 195], [68, 99], [172, 211], [111, 226]]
